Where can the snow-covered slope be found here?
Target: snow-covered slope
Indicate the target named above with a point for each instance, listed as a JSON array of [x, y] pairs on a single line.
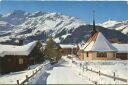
[[52, 23], [117, 25], [5, 26], [39, 25]]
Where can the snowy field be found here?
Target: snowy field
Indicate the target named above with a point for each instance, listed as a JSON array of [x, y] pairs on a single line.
[[107, 67]]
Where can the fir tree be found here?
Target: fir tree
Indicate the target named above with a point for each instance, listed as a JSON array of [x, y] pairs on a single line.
[[52, 50], [38, 54]]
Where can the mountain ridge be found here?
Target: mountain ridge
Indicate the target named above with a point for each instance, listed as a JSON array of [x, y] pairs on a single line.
[[39, 25]]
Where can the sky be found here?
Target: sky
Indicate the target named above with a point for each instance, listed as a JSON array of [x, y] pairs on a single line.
[[104, 10]]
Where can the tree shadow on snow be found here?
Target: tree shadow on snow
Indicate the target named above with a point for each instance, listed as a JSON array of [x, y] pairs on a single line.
[[51, 68], [59, 64], [43, 79]]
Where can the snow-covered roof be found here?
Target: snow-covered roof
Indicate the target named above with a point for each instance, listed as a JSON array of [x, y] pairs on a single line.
[[98, 42], [2, 54], [121, 48], [68, 46], [17, 50]]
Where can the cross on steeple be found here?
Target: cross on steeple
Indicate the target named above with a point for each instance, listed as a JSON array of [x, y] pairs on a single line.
[[94, 27]]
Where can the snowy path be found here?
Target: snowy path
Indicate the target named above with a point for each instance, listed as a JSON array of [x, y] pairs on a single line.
[[64, 74], [61, 73]]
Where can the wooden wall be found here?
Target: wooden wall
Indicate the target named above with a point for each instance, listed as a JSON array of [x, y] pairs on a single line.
[[122, 56], [67, 51], [93, 56], [11, 63]]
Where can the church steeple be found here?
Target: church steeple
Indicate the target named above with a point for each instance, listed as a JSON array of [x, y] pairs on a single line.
[[94, 27]]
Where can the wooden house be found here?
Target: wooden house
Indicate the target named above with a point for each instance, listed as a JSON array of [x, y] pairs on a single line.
[[68, 49], [15, 58], [122, 51]]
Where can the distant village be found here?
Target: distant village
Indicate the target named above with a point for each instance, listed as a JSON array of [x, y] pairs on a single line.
[[97, 47]]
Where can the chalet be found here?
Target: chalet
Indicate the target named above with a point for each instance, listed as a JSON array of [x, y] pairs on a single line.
[[15, 58], [122, 51], [68, 49]]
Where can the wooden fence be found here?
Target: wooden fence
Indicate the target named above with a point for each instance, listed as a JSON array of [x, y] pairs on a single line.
[[100, 73], [28, 77], [103, 74]]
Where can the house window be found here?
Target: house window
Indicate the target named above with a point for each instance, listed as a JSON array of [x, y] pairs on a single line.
[[87, 54], [114, 55], [101, 54], [122, 56], [9, 60], [20, 60]]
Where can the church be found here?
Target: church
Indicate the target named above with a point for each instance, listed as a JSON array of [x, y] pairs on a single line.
[[99, 48]]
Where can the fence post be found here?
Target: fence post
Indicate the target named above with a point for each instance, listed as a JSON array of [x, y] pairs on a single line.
[[80, 65], [86, 68], [17, 82], [27, 77], [99, 72], [114, 76], [33, 72], [96, 82], [83, 68]]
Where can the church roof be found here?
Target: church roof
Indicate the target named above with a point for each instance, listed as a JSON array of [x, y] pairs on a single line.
[[98, 42]]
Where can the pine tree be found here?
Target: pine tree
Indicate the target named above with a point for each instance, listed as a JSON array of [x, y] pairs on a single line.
[[37, 53], [52, 50]]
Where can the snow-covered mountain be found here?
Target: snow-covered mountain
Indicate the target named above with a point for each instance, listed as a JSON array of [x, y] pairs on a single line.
[[5, 26], [39, 25], [117, 25]]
